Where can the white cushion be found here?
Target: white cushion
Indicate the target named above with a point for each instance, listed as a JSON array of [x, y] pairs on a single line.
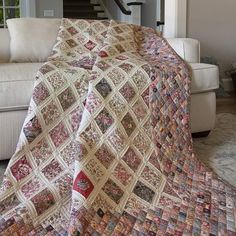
[[32, 39], [205, 77], [16, 84]]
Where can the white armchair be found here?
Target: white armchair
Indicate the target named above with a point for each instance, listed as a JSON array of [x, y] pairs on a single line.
[[205, 79]]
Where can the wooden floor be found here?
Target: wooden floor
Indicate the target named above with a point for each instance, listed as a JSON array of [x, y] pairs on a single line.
[[226, 104]]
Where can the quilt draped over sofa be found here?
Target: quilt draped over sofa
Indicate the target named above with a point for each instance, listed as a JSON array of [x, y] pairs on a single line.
[[106, 147]]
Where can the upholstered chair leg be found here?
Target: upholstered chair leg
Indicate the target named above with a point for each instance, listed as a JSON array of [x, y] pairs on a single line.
[[201, 134]]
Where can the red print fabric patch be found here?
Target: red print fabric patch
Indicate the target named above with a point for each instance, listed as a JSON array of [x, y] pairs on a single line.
[[83, 185]]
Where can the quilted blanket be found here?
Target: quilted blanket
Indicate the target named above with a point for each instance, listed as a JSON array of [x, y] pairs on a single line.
[[106, 147]]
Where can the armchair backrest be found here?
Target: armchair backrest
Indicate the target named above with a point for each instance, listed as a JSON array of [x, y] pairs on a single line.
[[187, 48]]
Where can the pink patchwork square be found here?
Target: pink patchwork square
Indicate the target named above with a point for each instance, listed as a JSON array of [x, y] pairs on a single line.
[[90, 45], [21, 168], [31, 187], [59, 134], [52, 170], [40, 93], [43, 201]]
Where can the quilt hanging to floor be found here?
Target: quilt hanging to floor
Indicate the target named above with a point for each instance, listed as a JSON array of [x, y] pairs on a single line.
[[106, 147]]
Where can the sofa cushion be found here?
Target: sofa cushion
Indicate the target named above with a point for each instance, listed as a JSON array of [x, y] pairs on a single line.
[[32, 39], [16, 84], [205, 77]]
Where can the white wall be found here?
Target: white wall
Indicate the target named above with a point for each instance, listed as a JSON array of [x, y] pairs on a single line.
[[213, 22], [55, 5]]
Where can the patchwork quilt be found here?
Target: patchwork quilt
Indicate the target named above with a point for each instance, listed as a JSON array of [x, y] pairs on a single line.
[[106, 147]]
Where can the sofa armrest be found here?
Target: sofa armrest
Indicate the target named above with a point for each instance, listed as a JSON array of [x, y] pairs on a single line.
[[187, 48], [4, 45], [205, 77]]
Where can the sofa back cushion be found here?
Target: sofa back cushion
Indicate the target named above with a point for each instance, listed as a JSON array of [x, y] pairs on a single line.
[[4, 45], [32, 39]]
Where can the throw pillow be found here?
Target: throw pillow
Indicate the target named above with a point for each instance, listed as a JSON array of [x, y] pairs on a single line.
[[32, 39]]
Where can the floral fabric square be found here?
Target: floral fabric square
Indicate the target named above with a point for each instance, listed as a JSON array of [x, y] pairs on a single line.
[[72, 30], [116, 76], [152, 177], [31, 187], [83, 185], [91, 136], [64, 185], [50, 113], [56, 80], [8, 203], [142, 143], [104, 120], [53, 169], [75, 118], [95, 170], [43, 201], [103, 65], [103, 88], [117, 140], [113, 191], [127, 92], [105, 156], [66, 98], [59, 134], [117, 105], [144, 192], [128, 124], [93, 102], [139, 110], [73, 151], [122, 174], [132, 159], [81, 85], [41, 151], [21, 168], [140, 79], [71, 43], [40, 93], [126, 67], [90, 45]]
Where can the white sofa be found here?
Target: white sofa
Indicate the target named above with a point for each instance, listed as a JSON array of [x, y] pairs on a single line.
[[17, 79]]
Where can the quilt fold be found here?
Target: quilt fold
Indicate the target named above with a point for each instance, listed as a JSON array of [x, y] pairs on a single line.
[[106, 147]]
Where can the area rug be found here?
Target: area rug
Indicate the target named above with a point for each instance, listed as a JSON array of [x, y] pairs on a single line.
[[218, 150], [106, 147]]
